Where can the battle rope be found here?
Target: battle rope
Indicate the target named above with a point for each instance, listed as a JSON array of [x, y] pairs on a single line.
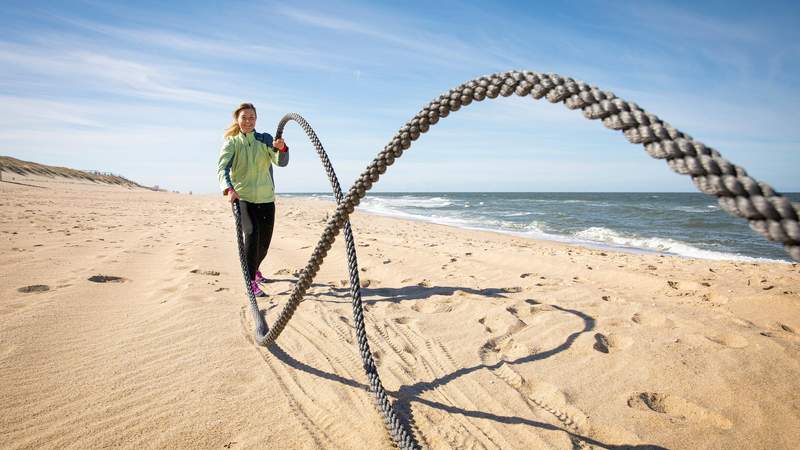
[[402, 437], [768, 213]]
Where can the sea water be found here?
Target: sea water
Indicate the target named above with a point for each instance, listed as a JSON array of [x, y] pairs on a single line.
[[685, 224]]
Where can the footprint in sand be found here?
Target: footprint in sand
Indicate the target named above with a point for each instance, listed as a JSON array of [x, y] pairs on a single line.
[[652, 320], [107, 279], [715, 298], [213, 273], [743, 323], [509, 350], [601, 343], [678, 408], [34, 288], [432, 307], [729, 340], [612, 342]]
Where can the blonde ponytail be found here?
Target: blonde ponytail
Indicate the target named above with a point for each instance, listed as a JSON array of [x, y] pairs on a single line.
[[233, 129]]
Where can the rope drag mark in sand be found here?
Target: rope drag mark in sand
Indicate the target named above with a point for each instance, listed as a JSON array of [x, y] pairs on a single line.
[[768, 213]]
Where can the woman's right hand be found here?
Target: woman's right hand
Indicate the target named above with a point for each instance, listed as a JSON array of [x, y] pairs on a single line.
[[233, 195]]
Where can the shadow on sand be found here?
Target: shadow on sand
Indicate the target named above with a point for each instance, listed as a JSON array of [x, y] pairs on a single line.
[[372, 296], [408, 394]]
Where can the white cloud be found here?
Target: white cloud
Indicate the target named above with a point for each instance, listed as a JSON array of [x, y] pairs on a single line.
[[105, 72], [223, 46], [435, 48], [25, 112]]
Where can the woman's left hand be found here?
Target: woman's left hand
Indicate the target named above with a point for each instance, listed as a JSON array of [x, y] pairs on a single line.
[[279, 144]]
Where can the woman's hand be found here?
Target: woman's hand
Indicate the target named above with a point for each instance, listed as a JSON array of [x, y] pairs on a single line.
[[279, 144], [233, 195]]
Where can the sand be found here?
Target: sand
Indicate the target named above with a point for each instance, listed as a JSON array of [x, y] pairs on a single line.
[[123, 322]]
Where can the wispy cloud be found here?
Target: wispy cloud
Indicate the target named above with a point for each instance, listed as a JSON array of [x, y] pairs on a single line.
[[222, 46], [436, 48], [136, 78], [109, 73], [670, 19], [31, 113]]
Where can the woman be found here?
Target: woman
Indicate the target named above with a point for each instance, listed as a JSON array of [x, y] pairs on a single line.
[[245, 174]]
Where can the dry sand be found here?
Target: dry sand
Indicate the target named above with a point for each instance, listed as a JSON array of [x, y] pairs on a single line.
[[490, 341]]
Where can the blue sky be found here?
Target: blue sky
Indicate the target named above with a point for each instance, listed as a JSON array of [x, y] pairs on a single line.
[[146, 90]]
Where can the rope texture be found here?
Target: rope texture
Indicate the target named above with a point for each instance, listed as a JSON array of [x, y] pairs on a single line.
[[401, 435], [770, 214]]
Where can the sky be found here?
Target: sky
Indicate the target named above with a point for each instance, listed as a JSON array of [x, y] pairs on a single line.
[[146, 90]]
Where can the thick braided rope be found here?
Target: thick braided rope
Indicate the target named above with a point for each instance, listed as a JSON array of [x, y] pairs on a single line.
[[768, 212], [397, 429], [402, 437]]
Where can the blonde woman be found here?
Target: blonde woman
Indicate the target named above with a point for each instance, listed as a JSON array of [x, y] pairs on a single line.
[[245, 175]]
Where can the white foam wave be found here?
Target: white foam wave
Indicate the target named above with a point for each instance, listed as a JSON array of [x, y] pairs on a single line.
[[520, 214], [687, 209], [695, 209], [406, 201], [660, 245], [597, 237]]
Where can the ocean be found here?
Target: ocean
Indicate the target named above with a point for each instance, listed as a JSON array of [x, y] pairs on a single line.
[[685, 224]]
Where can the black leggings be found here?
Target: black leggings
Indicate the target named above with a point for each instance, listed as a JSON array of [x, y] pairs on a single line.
[[258, 220]]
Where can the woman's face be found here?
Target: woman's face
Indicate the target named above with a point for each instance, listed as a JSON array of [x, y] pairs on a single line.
[[247, 120]]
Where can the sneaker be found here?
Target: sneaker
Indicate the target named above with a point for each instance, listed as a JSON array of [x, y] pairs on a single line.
[[257, 290], [260, 278]]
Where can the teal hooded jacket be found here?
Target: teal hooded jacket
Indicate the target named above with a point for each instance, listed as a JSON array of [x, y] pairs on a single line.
[[245, 165]]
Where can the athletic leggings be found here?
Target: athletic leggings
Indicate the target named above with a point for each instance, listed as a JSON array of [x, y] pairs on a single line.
[[258, 219]]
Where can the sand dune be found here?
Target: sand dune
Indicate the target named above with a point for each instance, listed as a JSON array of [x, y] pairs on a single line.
[[123, 323]]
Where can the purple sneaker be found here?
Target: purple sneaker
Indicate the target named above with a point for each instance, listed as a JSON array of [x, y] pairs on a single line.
[[260, 278], [257, 290]]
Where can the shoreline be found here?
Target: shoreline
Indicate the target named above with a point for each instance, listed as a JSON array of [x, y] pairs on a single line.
[[709, 255]]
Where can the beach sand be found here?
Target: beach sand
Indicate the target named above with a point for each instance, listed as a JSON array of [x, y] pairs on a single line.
[[490, 341]]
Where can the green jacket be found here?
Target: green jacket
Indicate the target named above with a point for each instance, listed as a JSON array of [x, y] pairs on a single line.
[[245, 164]]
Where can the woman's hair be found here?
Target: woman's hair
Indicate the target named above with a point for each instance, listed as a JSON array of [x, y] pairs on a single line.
[[233, 130]]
